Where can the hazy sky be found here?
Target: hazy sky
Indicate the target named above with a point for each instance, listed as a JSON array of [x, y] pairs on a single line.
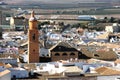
[[49, 1], [55, 1]]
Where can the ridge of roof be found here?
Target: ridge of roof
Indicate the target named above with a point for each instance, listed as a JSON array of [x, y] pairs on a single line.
[[62, 43]]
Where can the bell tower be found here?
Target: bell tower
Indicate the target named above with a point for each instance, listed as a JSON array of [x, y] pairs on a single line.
[[33, 40]]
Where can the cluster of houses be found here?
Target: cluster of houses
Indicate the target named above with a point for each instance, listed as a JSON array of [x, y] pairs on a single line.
[[73, 54]]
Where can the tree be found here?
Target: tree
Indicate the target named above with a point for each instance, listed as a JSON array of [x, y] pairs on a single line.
[[76, 25], [118, 21], [112, 19], [61, 23]]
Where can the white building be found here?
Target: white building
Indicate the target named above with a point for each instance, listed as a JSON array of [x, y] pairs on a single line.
[[112, 77], [113, 28], [19, 72], [109, 29], [12, 72]]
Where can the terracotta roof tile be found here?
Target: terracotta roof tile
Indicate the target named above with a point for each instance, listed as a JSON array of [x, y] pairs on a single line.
[[101, 69], [8, 66], [2, 64], [4, 73], [111, 72], [107, 71], [72, 69], [62, 43], [117, 61], [103, 36]]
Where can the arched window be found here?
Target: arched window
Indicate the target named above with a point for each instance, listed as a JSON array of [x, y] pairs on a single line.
[[57, 54], [96, 55], [72, 54], [64, 54]]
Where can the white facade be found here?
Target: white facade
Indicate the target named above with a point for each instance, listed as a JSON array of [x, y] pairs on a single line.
[[50, 68], [114, 77], [19, 72], [113, 28], [109, 28]]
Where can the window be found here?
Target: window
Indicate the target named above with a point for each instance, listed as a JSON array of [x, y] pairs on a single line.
[[64, 54], [96, 55], [57, 54], [33, 50], [72, 54], [33, 36]]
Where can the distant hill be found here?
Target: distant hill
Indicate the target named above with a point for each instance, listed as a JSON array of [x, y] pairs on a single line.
[[55, 1], [45, 1], [60, 3]]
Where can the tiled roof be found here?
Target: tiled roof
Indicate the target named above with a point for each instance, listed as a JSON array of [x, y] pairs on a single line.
[[101, 69], [117, 34], [4, 73], [117, 61], [103, 36], [107, 71], [6, 55], [8, 66], [2, 64], [93, 61], [72, 69], [65, 44], [111, 72], [30, 66], [91, 52], [107, 45]]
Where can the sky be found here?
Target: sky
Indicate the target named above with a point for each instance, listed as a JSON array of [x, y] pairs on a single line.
[[54, 1], [48, 1]]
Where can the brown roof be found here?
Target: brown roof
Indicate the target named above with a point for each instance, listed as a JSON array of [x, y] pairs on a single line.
[[111, 72], [107, 71], [104, 55], [103, 36], [72, 69], [8, 66], [93, 61], [107, 45], [116, 34], [6, 55], [2, 64], [117, 61], [101, 69], [66, 44], [30, 66], [4, 73]]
